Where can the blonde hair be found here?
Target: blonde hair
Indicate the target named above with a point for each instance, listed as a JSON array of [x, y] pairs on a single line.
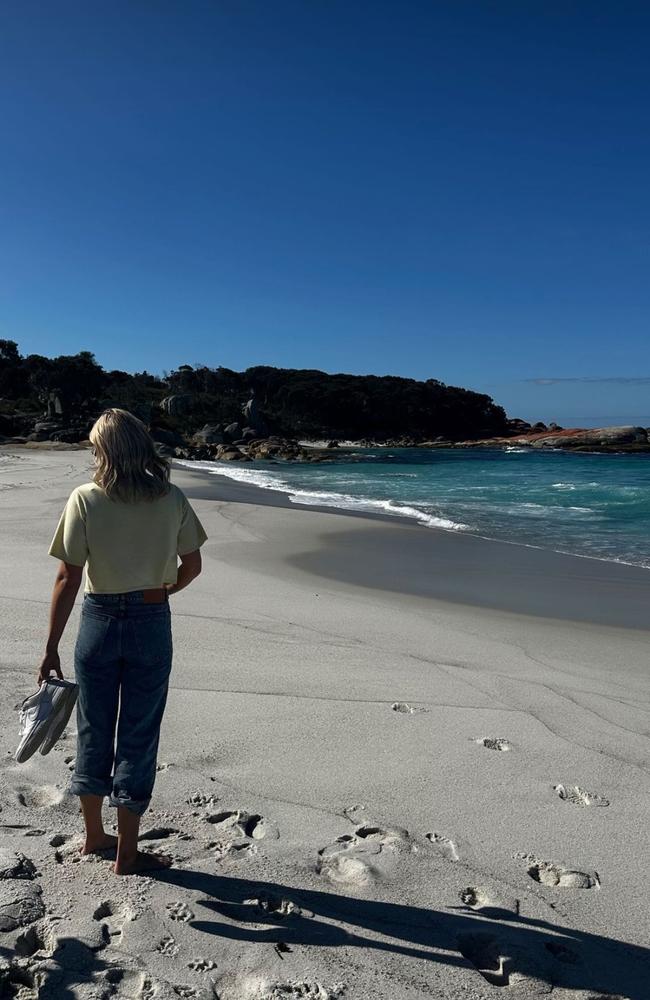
[[128, 467]]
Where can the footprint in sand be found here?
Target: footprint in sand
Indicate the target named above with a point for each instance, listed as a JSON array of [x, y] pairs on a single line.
[[224, 848], [482, 950], [19, 982], [488, 903], [357, 814], [69, 761], [202, 965], [239, 823], [112, 917], [165, 833], [119, 982], [147, 989], [239, 832], [184, 991], [556, 876], [500, 964], [44, 797], [346, 861], [179, 911], [201, 800], [273, 906], [167, 946], [579, 796], [493, 743], [445, 847], [301, 990], [404, 708], [68, 850], [37, 940]]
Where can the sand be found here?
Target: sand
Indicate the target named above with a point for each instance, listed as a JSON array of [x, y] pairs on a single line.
[[368, 791]]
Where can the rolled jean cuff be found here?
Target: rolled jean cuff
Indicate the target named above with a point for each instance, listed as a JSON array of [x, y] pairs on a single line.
[[86, 784], [137, 806]]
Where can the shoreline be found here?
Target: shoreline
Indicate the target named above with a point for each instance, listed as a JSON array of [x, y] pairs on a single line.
[[385, 552]]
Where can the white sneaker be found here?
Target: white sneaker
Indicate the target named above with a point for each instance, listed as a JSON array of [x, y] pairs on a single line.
[[62, 714], [39, 713]]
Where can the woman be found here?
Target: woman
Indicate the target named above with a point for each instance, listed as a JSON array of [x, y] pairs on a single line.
[[127, 527]]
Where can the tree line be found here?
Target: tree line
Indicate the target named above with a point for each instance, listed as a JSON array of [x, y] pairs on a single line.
[[298, 403]]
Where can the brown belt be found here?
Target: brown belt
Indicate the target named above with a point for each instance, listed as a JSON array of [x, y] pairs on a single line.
[[156, 595]]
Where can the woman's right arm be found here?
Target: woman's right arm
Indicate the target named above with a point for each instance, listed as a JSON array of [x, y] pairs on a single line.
[[188, 570]]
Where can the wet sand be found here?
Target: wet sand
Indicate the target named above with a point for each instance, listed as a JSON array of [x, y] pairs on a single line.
[[395, 554]]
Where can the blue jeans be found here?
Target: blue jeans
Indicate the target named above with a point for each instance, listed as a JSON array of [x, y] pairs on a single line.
[[122, 661]]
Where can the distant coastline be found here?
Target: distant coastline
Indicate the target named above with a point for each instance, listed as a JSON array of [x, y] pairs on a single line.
[[265, 412]]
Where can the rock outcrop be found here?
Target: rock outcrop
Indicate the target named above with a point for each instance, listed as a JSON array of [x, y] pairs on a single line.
[[21, 899], [254, 420], [209, 434], [177, 405], [626, 438]]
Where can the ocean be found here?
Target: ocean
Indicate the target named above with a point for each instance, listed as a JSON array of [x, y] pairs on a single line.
[[592, 505]]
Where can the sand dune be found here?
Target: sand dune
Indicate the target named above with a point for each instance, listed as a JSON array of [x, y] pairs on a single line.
[[367, 793]]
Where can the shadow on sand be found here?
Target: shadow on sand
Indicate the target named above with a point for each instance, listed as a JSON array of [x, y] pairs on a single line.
[[505, 949], [501, 952]]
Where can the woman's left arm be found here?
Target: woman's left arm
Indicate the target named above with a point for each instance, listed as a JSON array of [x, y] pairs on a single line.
[[66, 586]]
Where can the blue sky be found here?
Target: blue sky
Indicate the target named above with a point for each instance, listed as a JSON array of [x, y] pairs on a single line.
[[453, 190]]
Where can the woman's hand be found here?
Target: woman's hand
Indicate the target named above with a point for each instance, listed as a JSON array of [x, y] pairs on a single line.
[[49, 663], [66, 585]]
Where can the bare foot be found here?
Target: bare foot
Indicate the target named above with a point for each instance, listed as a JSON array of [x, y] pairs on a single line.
[[107, 842], [143, 862]]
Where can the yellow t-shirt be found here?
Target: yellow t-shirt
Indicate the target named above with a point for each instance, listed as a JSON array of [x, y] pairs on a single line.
[[126, 546]]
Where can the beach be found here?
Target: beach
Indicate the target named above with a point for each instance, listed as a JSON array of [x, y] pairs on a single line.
[[397, 762]]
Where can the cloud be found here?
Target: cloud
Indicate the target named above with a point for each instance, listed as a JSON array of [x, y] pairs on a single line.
[[612, 380]]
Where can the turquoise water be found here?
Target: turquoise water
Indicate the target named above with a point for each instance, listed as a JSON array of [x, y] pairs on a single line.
[[588, 505]]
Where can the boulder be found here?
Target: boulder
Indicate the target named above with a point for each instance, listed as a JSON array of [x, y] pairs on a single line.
[[401, 442], [230, 453], [209, 434], [627, 438], [54, 404], [164, 436], [593, 439], [13, 864], [232, 431], [178, 404], [70, 435], [332, 444], [274, 447], [21, 903], [518, 426], [43, 429], [253, 417]]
